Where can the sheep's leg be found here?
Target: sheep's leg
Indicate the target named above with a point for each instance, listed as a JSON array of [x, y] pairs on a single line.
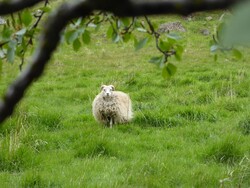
[[111, 123], [107, 121]]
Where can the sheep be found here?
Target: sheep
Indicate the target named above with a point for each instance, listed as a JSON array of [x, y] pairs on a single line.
[[112, 107]]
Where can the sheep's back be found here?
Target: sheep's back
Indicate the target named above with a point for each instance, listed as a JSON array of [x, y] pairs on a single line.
[[121, 98], [124, 105]]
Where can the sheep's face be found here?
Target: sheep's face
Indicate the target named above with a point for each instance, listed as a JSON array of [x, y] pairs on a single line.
[[107, 91]]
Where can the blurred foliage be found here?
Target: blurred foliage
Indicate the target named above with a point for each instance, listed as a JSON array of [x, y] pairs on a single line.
[[233, 31]]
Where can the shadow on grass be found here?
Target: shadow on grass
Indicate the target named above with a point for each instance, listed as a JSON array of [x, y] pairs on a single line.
[[156, 120], [179, 118], [226, 151], [244, 126], [96, 149], [44, 120], [34, 179], [196, 115]]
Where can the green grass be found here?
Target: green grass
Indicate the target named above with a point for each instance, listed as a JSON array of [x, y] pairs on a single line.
[[189, 131]]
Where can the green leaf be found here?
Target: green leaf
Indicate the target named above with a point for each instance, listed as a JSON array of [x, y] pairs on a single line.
[[220, 31], [26, 17], [76, 44], [21, 32], [125, 21], [45, 9], [141, 30], [86, 37], [164, 45], [126, 37], [177, 56], [155, 25], [2, 53], [80, 30], [11, 51], [6, 33], [168, 70], [98, 26], [115, 37], [140, 44], [174, 36], [97, 19], [214, 48], [118, 24], [159, 60], [137, 23], [92, 25], [110, 32], [237, 54], [19, 51], [78, 22], [179, 48], [237, 28], [178, 52], [71, 36]]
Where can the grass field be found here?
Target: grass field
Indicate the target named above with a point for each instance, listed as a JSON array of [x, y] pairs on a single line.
[[189, 131]]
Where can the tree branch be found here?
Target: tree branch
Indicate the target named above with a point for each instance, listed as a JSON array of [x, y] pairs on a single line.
[[57, 21], [48, 43], [150, 7], [7, 7], [133, 7]]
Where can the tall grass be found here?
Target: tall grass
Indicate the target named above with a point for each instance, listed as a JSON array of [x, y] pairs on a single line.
[[189, 131]]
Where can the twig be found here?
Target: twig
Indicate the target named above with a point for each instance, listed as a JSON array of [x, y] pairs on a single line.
[[30, 42], [110, 21], [3, 43], [157, 36], [126, 30]]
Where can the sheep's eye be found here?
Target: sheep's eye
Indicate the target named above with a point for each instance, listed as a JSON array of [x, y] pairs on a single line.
[[104, 90]]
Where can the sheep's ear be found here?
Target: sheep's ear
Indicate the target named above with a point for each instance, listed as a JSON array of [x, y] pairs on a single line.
[[103, 87], [112, 87]]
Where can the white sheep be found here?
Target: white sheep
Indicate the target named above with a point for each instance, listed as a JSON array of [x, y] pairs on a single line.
[[112, 107]]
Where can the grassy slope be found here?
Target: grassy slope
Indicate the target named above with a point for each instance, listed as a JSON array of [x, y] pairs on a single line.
[[191, 130]]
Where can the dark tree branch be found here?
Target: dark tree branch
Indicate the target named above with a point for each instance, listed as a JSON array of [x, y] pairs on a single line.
[[149, 7], [133, 7], [58, 20], [48, 43], [7, 7]]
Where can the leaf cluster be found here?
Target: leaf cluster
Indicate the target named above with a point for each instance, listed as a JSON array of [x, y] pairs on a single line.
[[18, 34], [22, 29], [123, 30], [233, 32]]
